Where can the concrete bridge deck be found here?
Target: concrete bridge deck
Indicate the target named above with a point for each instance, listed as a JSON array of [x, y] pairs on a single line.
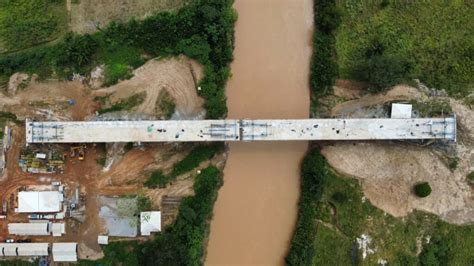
[[240, 130]]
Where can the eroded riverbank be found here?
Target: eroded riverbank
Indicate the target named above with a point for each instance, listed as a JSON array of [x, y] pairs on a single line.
[[256, 210]]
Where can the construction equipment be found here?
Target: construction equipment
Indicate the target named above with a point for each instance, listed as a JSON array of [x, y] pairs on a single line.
[[80, 152]]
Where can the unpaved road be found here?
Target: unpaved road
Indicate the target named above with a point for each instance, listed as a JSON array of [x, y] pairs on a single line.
[[256, 209]]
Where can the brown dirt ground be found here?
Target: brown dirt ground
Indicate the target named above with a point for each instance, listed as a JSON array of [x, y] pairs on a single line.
[[48, 100], [87, 15], [388, 171], [179, 76]]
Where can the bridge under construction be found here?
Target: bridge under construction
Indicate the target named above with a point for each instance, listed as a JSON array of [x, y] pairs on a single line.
[[240, 130]]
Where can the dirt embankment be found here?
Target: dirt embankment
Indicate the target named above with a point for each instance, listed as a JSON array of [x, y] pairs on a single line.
[[178, 76], [389, 170]]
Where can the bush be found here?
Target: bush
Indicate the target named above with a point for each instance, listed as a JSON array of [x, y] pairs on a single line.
[[157, 179], [195, 157], [125, 104], [470, 176], [423, 190]]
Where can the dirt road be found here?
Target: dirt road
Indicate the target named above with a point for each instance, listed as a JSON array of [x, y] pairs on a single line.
[[255, 212]]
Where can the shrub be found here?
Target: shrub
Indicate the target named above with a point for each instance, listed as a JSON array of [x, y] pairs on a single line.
[[453, 163], [101, 161], [423, 190], [157, 179], [195, 157], [470, 177], [125, 104], [339, 197]]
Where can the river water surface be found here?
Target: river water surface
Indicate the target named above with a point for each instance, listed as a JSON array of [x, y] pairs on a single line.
[[256, 209]]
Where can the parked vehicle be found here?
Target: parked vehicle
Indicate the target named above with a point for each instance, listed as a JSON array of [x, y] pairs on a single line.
[[24, 241], [10, 240]]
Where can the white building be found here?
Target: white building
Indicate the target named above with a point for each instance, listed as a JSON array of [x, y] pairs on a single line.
[[150, 222], [23, 249], [400, 110], [58, 229], [39, 201], [103, 240], [65, 252], [29, 229]]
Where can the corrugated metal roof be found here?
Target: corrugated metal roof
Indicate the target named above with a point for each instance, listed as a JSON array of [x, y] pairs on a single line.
[[400, 110], [29, 229], [24, 249], [150, 222], [39, 201], [58, 229], [64, 252]]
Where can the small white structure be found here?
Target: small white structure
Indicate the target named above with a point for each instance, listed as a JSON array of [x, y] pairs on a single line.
[[29, 229], [23, 249], [400, 110], [65, 252], [58, 229], [39, 201], [150, 222], [41, 156], [103, 240]]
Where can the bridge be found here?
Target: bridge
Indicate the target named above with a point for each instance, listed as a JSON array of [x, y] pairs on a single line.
[[240, 130]]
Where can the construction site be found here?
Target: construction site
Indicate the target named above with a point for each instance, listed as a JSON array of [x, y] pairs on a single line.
[[72, 180]]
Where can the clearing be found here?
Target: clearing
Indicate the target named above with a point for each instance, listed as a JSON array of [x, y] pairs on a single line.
[[388, 171]]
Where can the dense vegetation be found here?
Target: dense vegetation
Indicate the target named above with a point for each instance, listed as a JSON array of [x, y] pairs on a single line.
[[335, 213], [323, 63], [197, 155], [313, 175], [24, 23], [203, 30], [389, 42], [182, 243]]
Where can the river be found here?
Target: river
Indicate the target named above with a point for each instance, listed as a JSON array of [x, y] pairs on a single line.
[[255, 213]]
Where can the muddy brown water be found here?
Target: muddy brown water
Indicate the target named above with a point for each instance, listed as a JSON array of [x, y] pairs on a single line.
[[256, 209]]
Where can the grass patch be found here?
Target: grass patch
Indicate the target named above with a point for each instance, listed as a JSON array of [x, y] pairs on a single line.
[[119, 61], [389, 42], [197, 155], [125, 104], [25, 23], [157, 180], [165, 104], [434, 108], [101, 161], [342, 206], [334, 248]]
